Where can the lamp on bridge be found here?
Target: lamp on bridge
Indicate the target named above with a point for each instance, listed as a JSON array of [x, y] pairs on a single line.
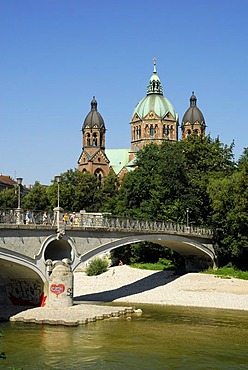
[[19, 210], [57, 209], [187, 217], [58, 179]]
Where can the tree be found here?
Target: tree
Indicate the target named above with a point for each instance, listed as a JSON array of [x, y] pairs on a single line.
[[37, 198], [229, 201], [172, 177], [9, 198], [78, 191], [153, 189], [109, 192], [205, 158]]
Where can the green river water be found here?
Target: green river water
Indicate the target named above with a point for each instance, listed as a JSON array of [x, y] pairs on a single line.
[[161, 338]]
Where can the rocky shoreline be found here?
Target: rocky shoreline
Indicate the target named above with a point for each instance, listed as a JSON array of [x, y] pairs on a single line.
[[135, 287]]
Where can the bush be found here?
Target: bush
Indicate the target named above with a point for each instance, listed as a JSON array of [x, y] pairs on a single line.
[[97, 266]]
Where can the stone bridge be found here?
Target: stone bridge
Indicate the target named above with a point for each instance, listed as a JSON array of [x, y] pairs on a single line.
[[28, 252]]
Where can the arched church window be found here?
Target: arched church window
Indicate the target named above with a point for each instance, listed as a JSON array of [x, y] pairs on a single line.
[[166, 130], [137, 132], [196, 131], [152, 131], [94, 140], [155, 130], [88, 139], [188, 132], [98, 174]]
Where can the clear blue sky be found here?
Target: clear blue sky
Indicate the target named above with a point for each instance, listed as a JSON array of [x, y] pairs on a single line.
[[57, 54]]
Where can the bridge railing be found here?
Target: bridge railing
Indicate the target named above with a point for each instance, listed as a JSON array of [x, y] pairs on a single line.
[[30, 217], [99, 220], [156, 226]]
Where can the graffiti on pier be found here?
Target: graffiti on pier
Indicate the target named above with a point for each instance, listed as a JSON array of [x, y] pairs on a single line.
[[57, 288], [70, 292], [25, 292]]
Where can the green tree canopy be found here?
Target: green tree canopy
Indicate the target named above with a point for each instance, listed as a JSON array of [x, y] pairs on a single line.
[[78, 191], [37, 198], [229, 201], [172, 177], [9, 198]]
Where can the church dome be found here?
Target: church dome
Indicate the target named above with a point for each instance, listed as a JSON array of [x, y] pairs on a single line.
[[156, 103], [193, 113], [154, 100], [94, 118]]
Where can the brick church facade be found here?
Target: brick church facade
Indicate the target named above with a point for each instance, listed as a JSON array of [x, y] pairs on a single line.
[[154, 120]]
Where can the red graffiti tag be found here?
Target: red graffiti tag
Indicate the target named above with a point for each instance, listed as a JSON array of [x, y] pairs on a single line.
[[57, 289]]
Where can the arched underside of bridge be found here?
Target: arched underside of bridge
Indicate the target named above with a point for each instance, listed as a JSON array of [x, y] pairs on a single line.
[[21, 283], [197, 255]]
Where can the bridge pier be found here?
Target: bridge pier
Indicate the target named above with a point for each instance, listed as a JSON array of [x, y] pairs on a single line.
[[196, 263], [60, 293]]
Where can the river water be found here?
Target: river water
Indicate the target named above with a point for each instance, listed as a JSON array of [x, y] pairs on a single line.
[[161, 338]]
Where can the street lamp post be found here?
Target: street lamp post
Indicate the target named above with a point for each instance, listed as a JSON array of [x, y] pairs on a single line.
[[19, 210], [187, 217], [57, 209]]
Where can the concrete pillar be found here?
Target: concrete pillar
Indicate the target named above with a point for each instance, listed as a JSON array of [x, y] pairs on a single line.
[[196, 263], [60, 286], [19, 216]]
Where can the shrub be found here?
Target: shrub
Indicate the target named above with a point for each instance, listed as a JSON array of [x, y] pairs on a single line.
[[97, 266]]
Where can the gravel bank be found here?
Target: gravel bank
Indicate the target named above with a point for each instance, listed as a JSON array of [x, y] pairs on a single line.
[[133, 286], [129, 285]]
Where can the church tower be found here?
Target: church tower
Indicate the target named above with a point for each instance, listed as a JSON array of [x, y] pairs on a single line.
[[154, 119], [193, 120], [93, 157]]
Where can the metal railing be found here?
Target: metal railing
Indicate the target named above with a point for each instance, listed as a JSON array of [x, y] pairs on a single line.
[[30, 217], [99, 221]]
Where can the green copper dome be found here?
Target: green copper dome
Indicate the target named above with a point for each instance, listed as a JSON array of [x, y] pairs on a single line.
[[154, 99]]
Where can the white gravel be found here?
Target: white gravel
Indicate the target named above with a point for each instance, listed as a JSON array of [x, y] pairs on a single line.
[[129, 285]]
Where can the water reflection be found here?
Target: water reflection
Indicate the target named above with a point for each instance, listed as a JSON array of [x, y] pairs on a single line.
[[162, 338]]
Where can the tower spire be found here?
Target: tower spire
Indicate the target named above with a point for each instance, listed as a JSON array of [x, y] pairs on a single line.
[[155, 86]]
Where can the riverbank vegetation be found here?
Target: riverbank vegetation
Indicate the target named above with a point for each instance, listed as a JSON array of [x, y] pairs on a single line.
[[195, 181], [162, 264], [228, 272]]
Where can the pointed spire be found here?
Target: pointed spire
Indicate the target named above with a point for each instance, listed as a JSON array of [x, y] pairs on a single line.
[[155, 86]]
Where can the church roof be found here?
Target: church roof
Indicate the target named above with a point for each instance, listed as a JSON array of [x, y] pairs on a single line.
[[118, 158], [94, 118], [193, 113], [154, 99]]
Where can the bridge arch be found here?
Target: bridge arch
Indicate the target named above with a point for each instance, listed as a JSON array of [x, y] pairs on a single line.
[[57, 248], [21, 281], [188, 248]]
